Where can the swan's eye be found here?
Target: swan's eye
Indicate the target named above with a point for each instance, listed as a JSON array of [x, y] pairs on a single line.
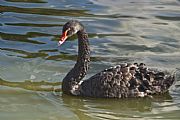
[[71, 31]]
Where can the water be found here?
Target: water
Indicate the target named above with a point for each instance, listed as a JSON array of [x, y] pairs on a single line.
[[32, 65]]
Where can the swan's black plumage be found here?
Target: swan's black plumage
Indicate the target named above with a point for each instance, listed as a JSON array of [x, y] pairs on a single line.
[[121, 81]]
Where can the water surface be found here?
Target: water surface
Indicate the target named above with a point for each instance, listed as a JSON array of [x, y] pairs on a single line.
[[119, 31]]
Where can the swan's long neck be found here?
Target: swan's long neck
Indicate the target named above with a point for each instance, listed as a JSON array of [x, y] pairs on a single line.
[[80, 69]]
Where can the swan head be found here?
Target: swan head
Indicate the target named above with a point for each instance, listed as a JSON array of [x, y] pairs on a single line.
[[69, 29]]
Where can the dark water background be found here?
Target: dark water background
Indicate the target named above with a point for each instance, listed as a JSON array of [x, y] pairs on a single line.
[[119, 31]]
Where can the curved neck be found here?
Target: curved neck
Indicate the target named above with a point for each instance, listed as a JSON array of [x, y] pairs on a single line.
[[77, 73]]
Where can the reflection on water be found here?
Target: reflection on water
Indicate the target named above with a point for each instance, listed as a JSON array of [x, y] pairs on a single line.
[[89, 108], [32, 66]]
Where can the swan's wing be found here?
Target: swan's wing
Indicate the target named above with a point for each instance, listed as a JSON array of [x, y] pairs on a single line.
[[127, 81]]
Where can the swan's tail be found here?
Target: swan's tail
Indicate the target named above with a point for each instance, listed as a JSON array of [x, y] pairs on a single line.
[[169, 81]]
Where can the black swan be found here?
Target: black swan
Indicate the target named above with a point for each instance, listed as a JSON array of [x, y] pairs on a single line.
[[121, 81]]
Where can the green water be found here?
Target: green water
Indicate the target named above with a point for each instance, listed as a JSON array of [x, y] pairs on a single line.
[[32, 65]]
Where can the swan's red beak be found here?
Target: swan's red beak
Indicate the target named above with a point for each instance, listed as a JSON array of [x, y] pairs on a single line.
[[63, 38]]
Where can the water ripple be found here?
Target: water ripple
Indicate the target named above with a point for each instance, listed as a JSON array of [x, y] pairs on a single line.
[[27, 1], [20, 38]]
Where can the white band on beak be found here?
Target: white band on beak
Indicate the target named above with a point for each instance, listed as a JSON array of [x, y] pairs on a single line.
[[60, 43]]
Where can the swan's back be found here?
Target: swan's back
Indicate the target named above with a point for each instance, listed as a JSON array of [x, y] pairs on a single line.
[[126, 80]]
